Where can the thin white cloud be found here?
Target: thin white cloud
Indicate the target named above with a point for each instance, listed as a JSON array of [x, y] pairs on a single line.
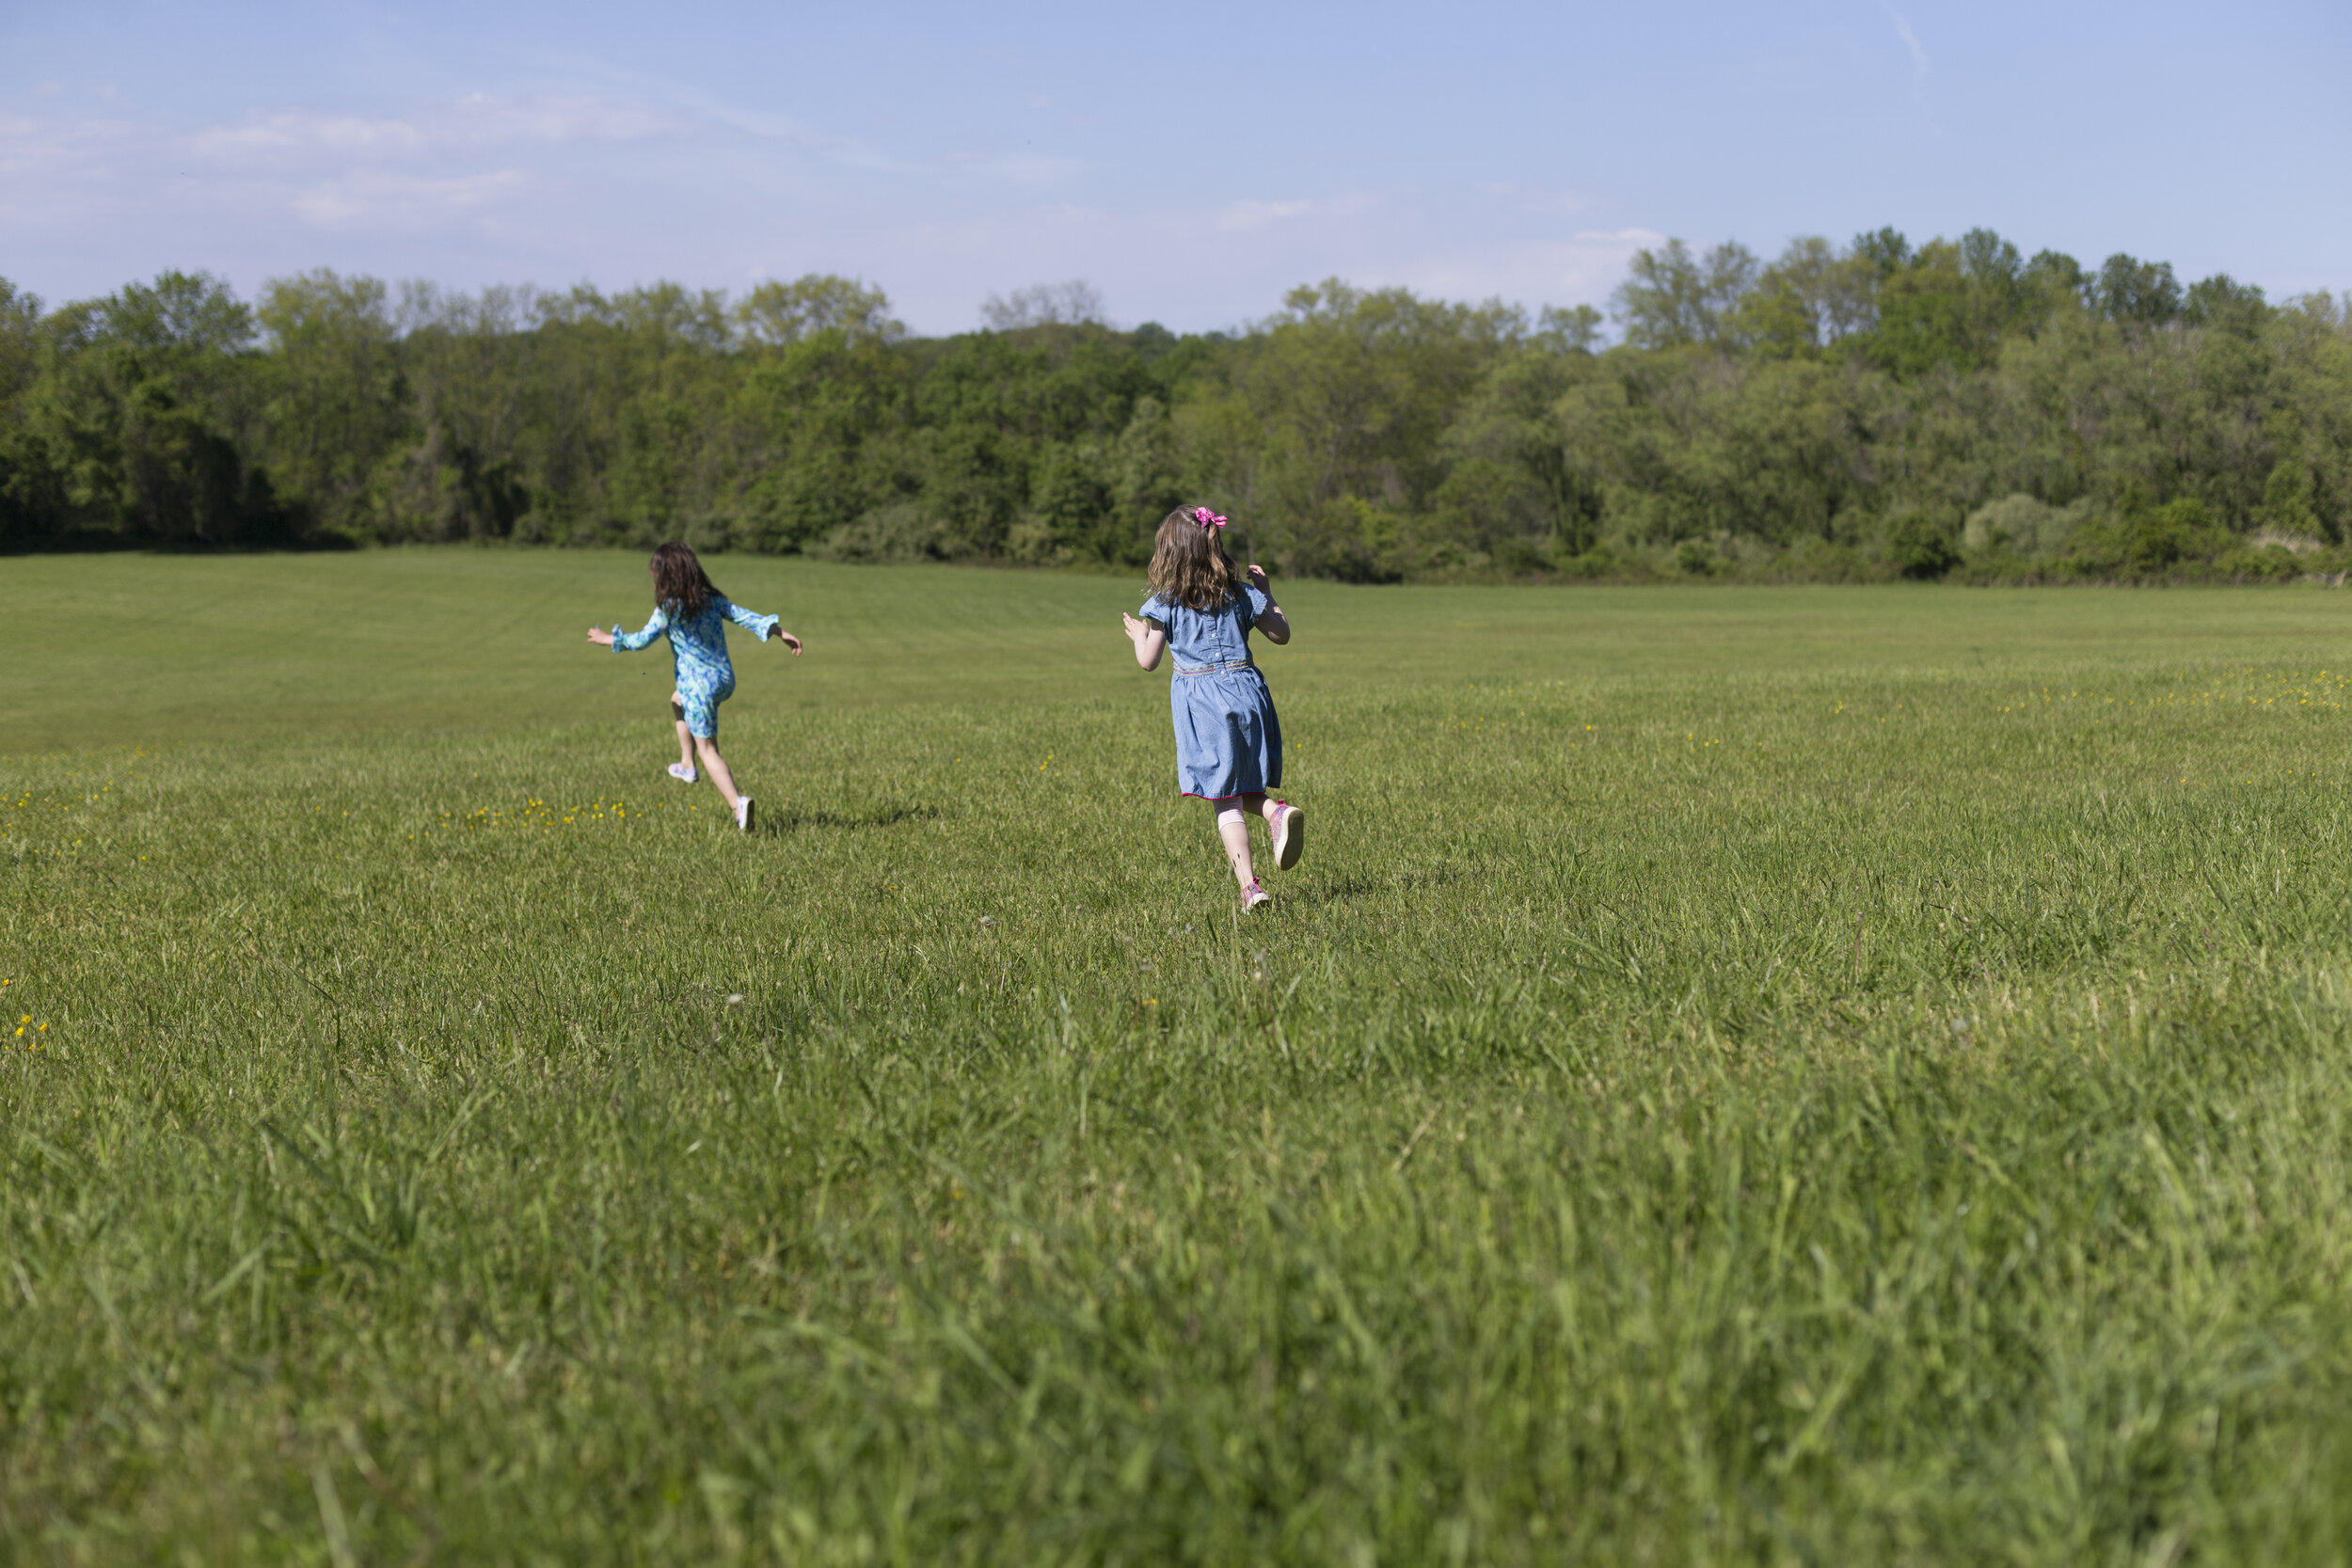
[[1631, 239], [408, 171], [60, 177], [381, 201], [31, 148], [476, 122], [1249, 217], [641, 181], [767, 126], [308, 133], [1241, 218], [1919, 61]]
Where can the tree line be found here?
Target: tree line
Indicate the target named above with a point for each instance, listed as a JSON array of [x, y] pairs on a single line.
[[1841, 412]]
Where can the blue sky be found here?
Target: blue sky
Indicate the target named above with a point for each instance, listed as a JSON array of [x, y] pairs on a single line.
[[1191, 161]]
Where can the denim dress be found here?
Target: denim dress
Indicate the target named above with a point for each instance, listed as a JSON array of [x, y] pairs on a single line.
[[1228, 740]]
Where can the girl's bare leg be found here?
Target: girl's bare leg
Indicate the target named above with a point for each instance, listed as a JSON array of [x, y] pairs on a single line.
[[685, 735], [1232, 826], [715, 767]]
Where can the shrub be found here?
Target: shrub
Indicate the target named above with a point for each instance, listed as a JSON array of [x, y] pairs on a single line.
[[1919, 549], [898, 531]]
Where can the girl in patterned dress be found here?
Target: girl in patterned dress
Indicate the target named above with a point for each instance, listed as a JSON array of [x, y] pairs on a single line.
[[693, 614], [1228, 743]]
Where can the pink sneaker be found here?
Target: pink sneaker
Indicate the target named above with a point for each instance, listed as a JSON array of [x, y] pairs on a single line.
[[1253, 896], [1290, 836]]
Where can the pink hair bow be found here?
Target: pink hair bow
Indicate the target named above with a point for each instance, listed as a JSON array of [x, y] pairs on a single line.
[[1207, 518]]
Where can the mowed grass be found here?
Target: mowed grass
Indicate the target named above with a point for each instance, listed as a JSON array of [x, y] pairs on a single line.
[[1741, 1075]]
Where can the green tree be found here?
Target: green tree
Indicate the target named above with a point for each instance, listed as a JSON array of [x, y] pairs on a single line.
[[1810, 299], [20, 342], [1513, 492], [1671, 297], [32, 498], [2130, 292], [1949, 305], [1791, 412], [337, 404], [1347, 393], [1149, 481], [2222, 302], [827, 440], [143, 407], [781, 314], [1885, 251], [1571, 329]]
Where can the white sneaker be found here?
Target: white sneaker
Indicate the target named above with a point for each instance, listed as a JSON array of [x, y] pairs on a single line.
[[744, 812], [1289, 837], [683, 772]]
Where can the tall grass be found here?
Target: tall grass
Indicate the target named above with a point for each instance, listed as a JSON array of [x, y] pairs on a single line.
[[1741, 1076]]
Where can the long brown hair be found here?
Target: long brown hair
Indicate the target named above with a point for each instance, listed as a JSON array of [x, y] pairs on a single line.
[[1189, 566], [678, 580]]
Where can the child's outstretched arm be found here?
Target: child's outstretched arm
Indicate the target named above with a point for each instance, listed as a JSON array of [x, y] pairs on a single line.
[[763, 625], [1150, 643], [1276, 625], [628, 642]]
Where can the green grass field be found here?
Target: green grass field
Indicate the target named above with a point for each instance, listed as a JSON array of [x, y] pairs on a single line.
[[1796, 1075]]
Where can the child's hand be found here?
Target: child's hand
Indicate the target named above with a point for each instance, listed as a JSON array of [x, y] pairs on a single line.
[[1257, 579], [601, 637], [788, 640], [1149, 643]]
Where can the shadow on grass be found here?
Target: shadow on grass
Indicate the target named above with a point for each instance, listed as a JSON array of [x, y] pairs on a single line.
[[1349, 887], [881, 816]]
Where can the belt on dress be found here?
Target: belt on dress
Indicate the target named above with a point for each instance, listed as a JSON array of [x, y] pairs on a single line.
[[1218, 668]]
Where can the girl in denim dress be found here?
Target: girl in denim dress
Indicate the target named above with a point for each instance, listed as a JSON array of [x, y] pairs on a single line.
[[693, 614], [1228, 743]]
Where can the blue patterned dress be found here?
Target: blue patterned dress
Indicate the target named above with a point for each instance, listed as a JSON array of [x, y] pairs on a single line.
[[698, 647], [1229, 742]]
